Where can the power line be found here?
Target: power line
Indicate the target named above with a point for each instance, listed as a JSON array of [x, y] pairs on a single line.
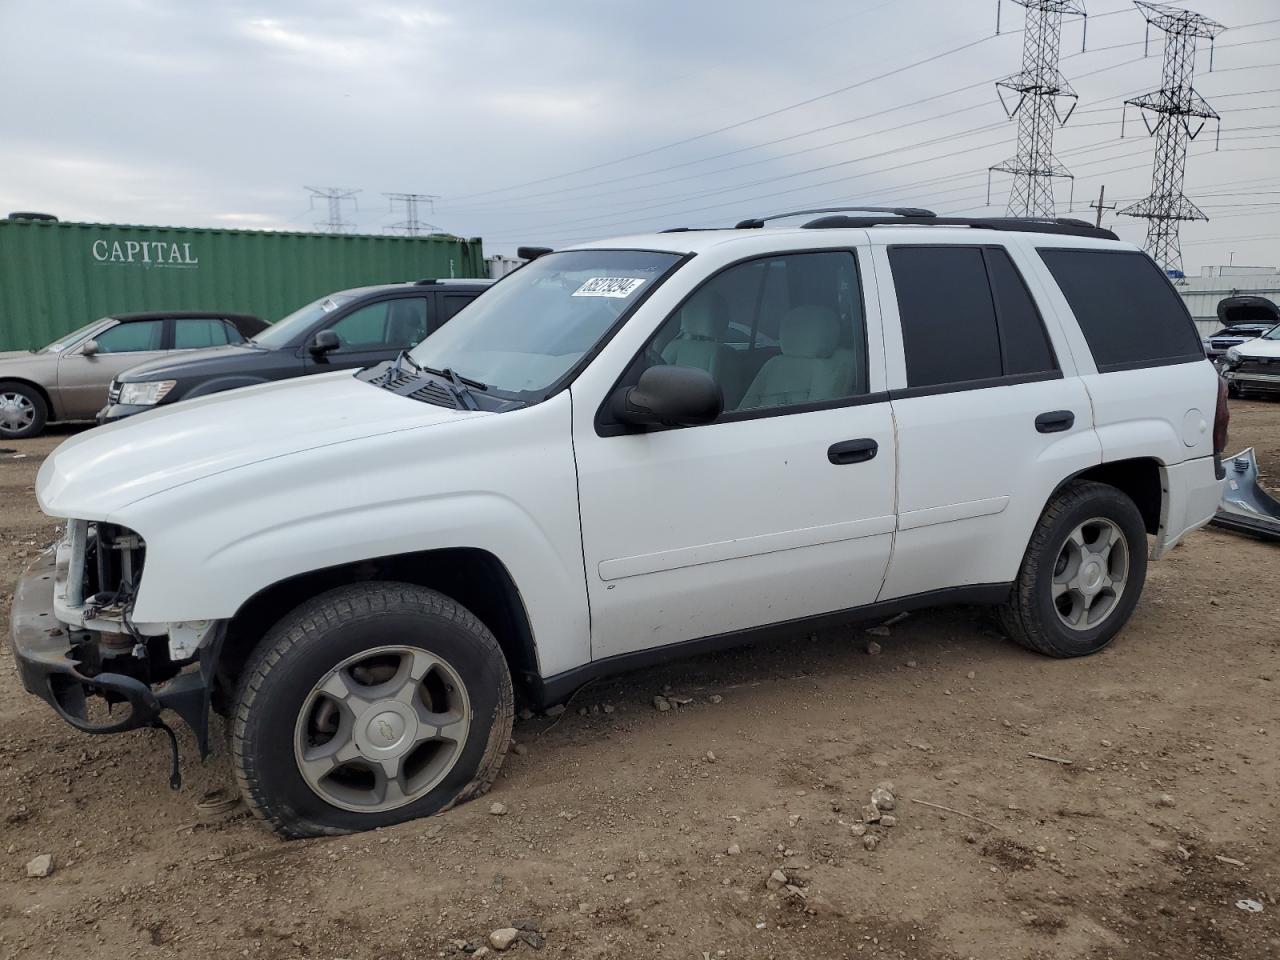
[[1175, 105], [334, 197], [411, 224], [1039, 87]]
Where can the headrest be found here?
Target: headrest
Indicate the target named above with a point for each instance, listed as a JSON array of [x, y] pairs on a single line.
[[810, 331], [705, 317]]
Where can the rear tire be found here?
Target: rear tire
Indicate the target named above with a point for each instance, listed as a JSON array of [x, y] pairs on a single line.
[[23, 412], [1082, 574], [370, 705]]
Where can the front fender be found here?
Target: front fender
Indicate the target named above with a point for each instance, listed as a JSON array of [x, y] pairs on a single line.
[[503, 484]]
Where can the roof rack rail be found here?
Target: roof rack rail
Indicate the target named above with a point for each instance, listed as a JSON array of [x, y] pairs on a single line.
[[1064, 226], [758, 222]]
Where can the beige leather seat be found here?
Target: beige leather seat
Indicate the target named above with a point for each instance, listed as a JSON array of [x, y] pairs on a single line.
[[812, 366], [704, 321]]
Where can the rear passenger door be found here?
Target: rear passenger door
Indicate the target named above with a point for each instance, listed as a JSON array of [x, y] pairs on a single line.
[[989, 412], [448, 305], [198, 333]]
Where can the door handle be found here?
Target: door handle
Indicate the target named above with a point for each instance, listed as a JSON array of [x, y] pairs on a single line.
[[1055, 421], [852, 451]]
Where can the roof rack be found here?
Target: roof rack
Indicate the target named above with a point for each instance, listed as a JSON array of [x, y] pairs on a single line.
[[758, 222], [1065, 226]]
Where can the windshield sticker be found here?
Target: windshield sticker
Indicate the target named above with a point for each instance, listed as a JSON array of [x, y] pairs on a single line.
[[328, 306], [617, 287]]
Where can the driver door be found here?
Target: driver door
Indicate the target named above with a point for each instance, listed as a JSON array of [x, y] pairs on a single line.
[[780, 510], [375, 332], [83, 380]]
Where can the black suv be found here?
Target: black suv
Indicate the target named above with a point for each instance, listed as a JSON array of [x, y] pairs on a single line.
[[351, 328]]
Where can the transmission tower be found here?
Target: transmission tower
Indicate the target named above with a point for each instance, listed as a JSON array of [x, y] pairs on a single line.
[[411, 224], [1040, 90], [335, 197], [1180, 113]]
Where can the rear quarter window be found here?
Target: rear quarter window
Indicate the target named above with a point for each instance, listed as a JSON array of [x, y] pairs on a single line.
[[1129, 313]]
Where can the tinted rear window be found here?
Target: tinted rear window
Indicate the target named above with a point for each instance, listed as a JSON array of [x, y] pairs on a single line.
[[1026, 346], [948, 317], [1129, 312]]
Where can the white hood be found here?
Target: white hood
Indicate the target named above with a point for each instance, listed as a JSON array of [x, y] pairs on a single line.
[[106, 468], [1260, 347]]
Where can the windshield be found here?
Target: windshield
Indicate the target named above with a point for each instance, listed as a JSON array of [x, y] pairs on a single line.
[[72, 338], [1273, 333], [528, 331], [282, 332]]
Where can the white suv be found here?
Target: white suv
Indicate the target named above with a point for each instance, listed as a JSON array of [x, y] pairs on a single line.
[[622, 453]]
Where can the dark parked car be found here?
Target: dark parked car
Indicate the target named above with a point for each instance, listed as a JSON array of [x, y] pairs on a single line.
[[66, 379], [351, 328]]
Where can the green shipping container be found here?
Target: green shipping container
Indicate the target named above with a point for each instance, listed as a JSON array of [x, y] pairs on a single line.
[[55, 277]]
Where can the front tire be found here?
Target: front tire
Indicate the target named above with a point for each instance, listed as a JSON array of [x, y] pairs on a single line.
[[370, 705], [1082, 574], [23, 412]]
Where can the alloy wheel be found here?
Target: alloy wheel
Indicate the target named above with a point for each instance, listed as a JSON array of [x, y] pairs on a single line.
[[382, 728], [1090, 573]]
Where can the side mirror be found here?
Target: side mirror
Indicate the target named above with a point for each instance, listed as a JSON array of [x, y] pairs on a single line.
[[89, 349], [326, 341], [670, 396]]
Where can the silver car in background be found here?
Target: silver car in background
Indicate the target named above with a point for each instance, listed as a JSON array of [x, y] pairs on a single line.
[[68, 379]]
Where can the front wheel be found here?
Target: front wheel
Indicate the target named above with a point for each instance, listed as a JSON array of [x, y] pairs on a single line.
[[1082, 574], [23, 412], [370, 705]]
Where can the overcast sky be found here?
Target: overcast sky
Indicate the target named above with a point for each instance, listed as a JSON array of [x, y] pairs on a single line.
[[569, 119]]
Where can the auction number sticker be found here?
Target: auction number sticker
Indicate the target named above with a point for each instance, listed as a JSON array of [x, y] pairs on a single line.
[[618, 287]]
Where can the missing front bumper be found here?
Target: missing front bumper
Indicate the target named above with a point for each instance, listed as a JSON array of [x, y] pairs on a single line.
[[53, 665]]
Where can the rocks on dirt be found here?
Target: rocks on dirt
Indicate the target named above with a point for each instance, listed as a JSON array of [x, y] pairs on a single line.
[[503, 938], [733, 850], [715, 698], [498, 809], [870, 841], [1165, 800], [858, 829], [873, 648], [880, 631], [777, 880], [710, 757], [525, 714], [40, 866], [882, 798], [554, 711], [519, 749], [888, 820], [870, 813], [661, 704]]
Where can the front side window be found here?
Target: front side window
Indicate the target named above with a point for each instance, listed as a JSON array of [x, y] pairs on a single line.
[[784, 331], [131, 337], [388, 324], [191, 333], [967, 317], [286, 330], [1126, 307], [533, 327]]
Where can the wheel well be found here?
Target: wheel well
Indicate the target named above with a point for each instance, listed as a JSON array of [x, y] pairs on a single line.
[[1139, 480], [474, 578], [44, 394]]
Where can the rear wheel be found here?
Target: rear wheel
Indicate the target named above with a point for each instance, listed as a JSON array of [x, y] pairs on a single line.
[[1082, 574], [23, 412], [369, 705]]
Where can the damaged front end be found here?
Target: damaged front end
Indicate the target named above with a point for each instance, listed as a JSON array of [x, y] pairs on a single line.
[[1246, 507], [77, 647]]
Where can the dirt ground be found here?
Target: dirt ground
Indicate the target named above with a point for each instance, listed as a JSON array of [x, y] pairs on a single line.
[[617, 838]]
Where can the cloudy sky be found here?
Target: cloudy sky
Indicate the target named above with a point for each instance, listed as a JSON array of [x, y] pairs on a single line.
[[561, 120]]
